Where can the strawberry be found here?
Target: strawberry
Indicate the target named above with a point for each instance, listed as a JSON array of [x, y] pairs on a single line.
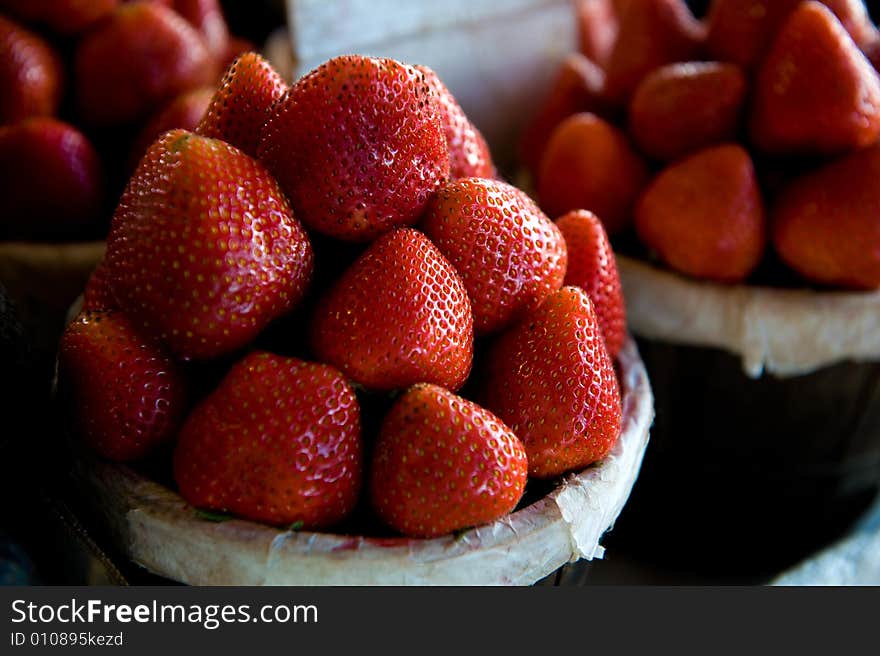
[[67, 17], [469, 154], [652, 33], [98, 292], [52, 186], [681, 108], [442, 464], [577, 87], [243, 102], [509, 255], [597, 23], [590, 164], [30, 74], [207, 17], [279, 441], [593, 267], [358, 146], [740, 31], [704, 215], [815, 91], [184, 112], [825, 224], [126, 394], [550, 379], [139, 57], [204, 249], [398, 316]]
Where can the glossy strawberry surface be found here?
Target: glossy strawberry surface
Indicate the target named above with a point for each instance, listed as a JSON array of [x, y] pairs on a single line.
[[442, 463], [593, 268], [204, 249], [469, 154], [123, 392], [278, 441], [550, 379], [399, 315], [358, 146], [509, 255], [243, 102]]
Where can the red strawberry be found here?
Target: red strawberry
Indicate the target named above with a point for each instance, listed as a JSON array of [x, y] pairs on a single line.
[[469, 154], [825, 223], [590, 164], [358, 146], [279, 441], [98, 293], [125, 393], [30, 74], [598, 25], [680, 108], [442, 464], [593, 267], [704, 215], [576, 88], [509, 255], [67, 17], [398, 316], [815, 92], [141, 56], [207, 17], [184, 112], [550, 379], [243, 102], [204, 249], [52, 183], [740, 31], [652, 33]]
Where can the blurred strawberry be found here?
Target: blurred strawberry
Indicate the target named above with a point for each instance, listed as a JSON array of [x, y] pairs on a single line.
[[279, 441], [681, 108], [576, 88], [125, 394], [67, 17], [443, 464], [551, 381], [184, 112], [509, 255], [815, 92], [52, 183], [204, 250], [590, 164], [31, 74], [740, 31], [243, 102], [207, 17], [825, 223], [652, 33], [358, 146], [593, 267], [398, 316], [704, 215], [138, 58], [469, 154], [598, 25]]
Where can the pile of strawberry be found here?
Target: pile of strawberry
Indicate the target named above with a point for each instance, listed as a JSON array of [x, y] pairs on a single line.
[[341, 250], [742, 146], [85, 87]]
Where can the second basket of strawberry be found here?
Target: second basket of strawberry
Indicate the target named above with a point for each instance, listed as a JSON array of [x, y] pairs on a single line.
[[742, 193]]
